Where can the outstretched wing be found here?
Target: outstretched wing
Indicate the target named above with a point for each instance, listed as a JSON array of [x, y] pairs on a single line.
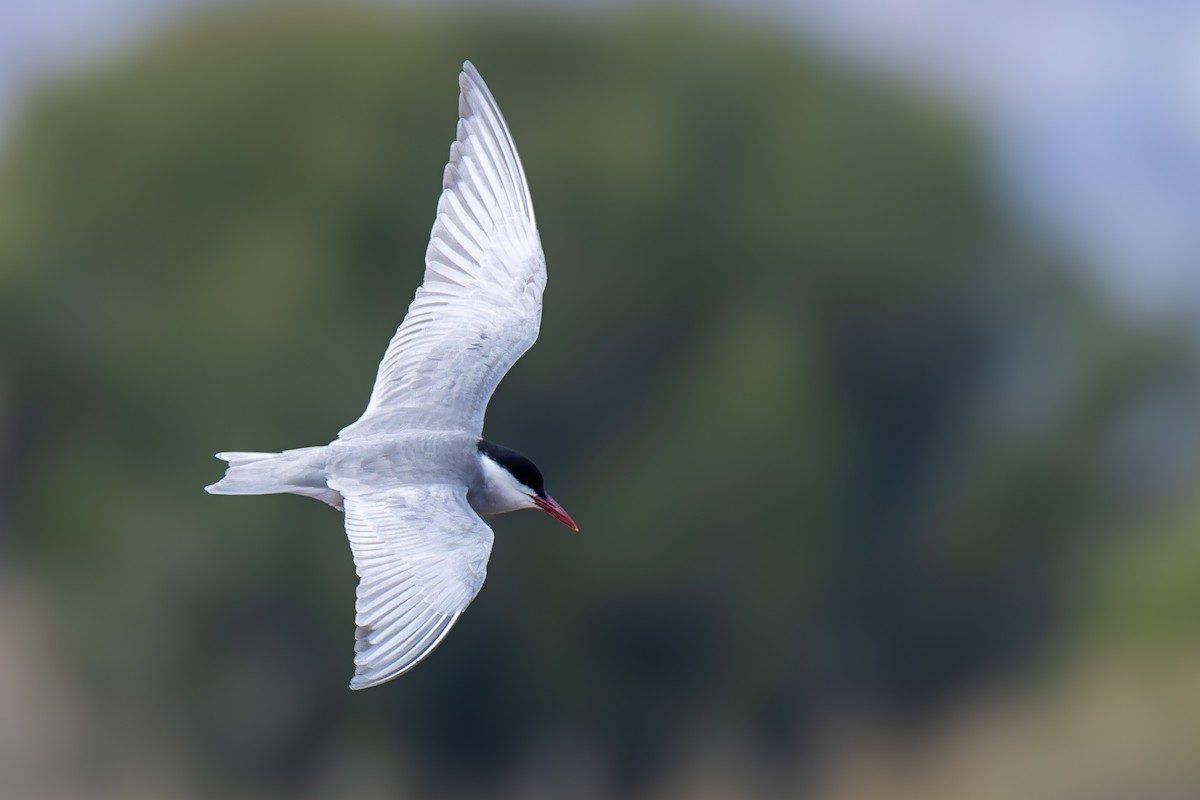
[[480, 306], [421, 554]]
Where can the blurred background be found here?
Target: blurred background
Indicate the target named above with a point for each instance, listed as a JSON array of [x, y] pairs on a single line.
[[868, 369]]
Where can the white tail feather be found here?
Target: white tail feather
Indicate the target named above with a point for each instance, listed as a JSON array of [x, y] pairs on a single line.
[[299, 471]]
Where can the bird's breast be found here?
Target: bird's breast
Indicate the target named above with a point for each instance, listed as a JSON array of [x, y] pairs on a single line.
[[377, 462]]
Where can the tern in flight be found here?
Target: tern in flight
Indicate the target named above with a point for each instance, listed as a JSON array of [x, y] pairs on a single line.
[[413, 474]]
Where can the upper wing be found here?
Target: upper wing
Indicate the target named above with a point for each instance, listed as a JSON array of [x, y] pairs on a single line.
[[421, 555], [481, 303]]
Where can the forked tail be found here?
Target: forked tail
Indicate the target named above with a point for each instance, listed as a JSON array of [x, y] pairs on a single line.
[[299, 471]]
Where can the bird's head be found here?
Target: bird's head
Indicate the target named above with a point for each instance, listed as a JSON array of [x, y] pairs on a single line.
[[510, 481]]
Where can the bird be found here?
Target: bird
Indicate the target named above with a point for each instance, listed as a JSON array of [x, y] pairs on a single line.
[[413, 475]]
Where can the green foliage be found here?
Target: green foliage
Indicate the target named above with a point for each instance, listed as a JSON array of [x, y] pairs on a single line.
[[1144, 596]]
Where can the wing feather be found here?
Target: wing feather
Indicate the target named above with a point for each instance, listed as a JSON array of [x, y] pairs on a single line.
[[480, 306], [421, 555]]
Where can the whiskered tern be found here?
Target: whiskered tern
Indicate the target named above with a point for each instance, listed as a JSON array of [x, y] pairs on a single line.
[[413, 475]]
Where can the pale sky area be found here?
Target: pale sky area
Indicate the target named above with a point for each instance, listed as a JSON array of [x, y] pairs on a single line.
[[1091, 107]]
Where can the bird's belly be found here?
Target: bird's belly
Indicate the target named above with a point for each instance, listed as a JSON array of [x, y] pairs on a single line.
[[377, 462]]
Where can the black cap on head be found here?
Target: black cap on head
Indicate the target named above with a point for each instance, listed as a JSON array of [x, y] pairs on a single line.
[[517, 465]]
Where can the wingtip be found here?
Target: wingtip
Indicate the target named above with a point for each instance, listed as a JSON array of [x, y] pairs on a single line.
[[361, 681], [469, 80]]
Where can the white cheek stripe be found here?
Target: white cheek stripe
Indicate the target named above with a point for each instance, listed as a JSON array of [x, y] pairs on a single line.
[[503, 487]]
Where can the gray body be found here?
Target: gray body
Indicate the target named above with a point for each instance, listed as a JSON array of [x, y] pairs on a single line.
[[376, 462]]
